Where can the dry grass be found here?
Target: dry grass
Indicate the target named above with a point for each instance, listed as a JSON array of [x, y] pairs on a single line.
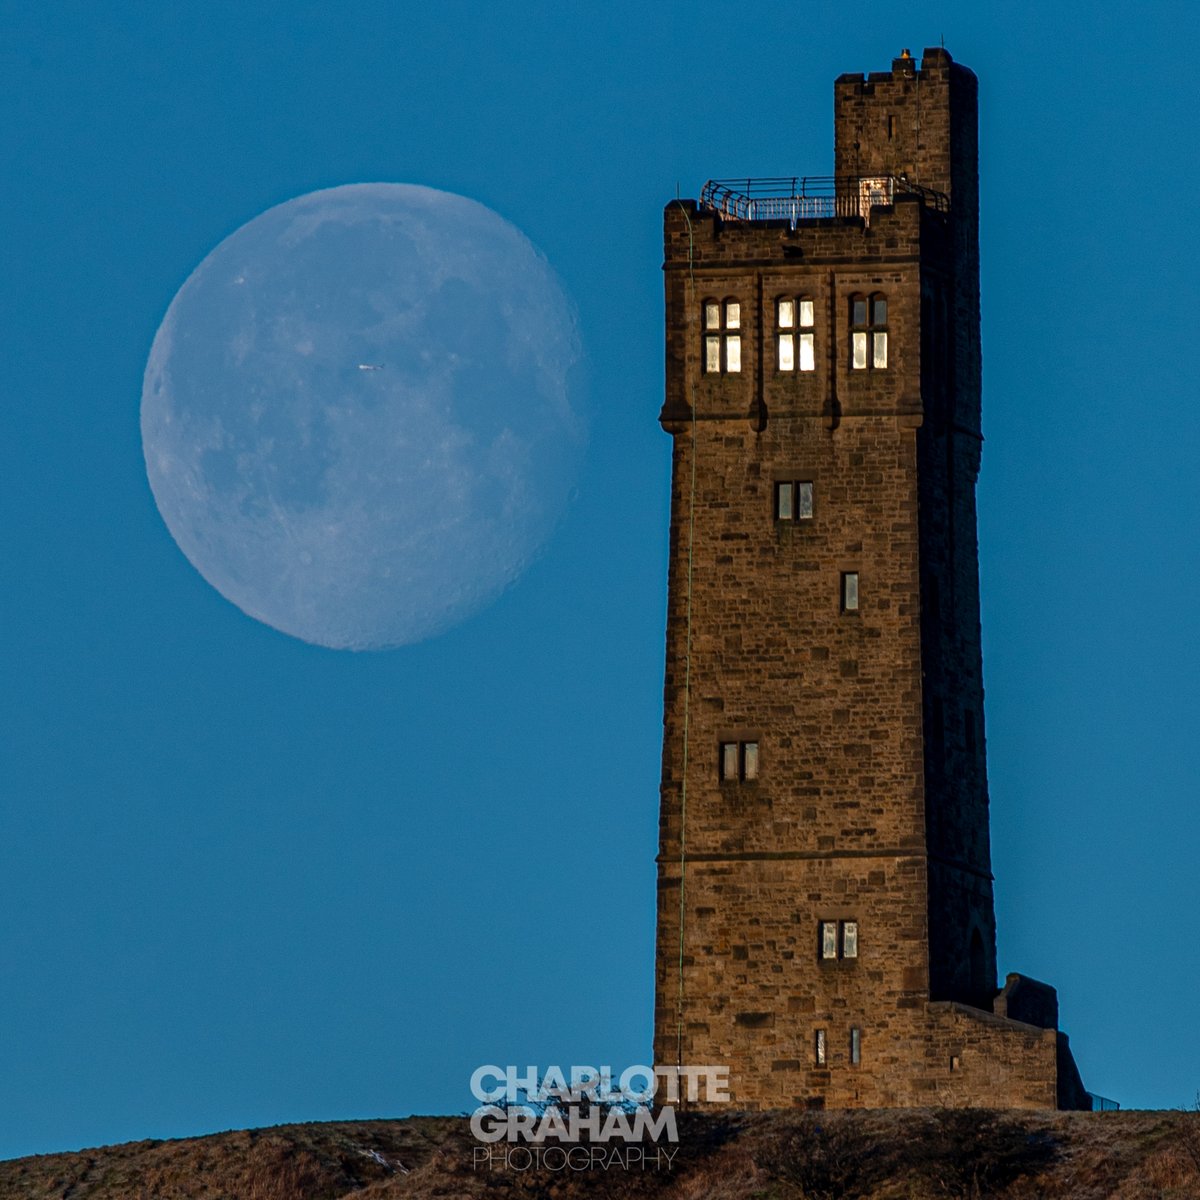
[[880, 1155]]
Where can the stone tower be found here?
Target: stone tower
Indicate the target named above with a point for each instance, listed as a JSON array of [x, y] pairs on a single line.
[[825, 916]]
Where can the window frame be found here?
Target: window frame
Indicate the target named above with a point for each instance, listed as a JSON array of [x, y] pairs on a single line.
[[720, 336], [871, 332], [796, 334], [845, 588], [748, 760], [831, 935], [794, 516]]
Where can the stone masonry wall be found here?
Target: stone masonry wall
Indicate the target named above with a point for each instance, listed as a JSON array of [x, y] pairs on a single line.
[[870, 801], [921, 121], [834, 827]]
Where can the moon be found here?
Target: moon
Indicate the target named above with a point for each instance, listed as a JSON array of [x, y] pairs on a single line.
[[360, 415]]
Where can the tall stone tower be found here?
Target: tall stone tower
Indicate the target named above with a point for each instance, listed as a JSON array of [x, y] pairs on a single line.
[[825, 917]]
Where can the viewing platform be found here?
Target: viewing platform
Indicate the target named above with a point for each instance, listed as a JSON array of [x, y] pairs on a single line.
[[811, 197]]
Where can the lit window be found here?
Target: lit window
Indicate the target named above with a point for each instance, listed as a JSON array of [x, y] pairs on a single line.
[[868, 332], [856, 1045], [722, 339], [849, 591], [794, 334], [738, 761], [819, 1048], [794, 500]]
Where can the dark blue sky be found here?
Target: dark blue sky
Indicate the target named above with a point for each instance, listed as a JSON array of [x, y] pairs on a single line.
[[245, 880]]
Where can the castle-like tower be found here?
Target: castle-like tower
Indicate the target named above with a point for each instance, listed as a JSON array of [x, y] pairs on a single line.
[[825, 917]]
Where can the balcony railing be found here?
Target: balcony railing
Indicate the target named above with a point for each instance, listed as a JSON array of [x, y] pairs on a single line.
[[806, 198]]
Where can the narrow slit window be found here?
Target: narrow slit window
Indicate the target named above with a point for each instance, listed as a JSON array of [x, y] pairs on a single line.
[[749, 760], [819, 1048], [784, 501], [804, 501], [729, 760], [856, 1045], [849, 939], [850, 591], [785, 323], [829, 939]]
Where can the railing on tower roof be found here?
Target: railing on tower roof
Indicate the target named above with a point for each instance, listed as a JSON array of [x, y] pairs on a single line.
[[805, 198]]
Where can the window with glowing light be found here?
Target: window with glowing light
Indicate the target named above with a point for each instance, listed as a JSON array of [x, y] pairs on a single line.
[[722, 321], [794, 333], [869, 332]]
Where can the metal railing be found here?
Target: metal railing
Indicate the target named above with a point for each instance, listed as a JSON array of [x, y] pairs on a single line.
[[806, 198], [1102, 1103]]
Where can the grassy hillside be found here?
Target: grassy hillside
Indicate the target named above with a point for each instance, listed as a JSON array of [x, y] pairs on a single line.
[[880, 1155]]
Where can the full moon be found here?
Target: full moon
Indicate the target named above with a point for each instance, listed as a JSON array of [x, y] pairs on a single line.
[[359, 415]]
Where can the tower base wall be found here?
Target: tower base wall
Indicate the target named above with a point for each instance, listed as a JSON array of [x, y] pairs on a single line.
[[947, 1055]]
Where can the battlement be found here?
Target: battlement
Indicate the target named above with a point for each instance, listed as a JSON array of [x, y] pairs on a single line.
[[935, 63]]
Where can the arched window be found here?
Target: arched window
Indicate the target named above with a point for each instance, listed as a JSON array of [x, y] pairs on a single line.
[[722, 337], [794, 333], [868, 332]]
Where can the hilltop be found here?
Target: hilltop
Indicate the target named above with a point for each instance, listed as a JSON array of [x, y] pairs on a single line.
[[875, 1155]]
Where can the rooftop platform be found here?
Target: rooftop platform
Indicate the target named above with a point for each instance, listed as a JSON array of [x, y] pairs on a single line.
[[812, 197]]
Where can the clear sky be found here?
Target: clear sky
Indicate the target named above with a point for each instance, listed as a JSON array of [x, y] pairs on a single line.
[[245, 880]]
